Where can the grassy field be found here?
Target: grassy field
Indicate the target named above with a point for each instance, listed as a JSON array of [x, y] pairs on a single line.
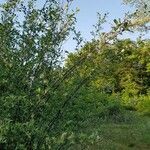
[[133, 135]]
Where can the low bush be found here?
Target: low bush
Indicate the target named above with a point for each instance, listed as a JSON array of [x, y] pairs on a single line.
[[144, 105], [92, 106]]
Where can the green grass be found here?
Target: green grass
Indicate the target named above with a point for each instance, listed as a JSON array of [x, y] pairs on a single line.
[[98, 135]]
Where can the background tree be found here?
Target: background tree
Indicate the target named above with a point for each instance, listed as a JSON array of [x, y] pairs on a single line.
[[119, 68]]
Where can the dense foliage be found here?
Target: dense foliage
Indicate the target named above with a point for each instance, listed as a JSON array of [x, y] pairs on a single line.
[[121, 68], [47, 105], [30, 45]]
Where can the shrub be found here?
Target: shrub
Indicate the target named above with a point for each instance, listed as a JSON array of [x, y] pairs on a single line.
[[144, 105]]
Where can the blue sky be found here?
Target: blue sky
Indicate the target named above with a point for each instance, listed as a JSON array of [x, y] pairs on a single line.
[[87, 16], [88, 9]]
